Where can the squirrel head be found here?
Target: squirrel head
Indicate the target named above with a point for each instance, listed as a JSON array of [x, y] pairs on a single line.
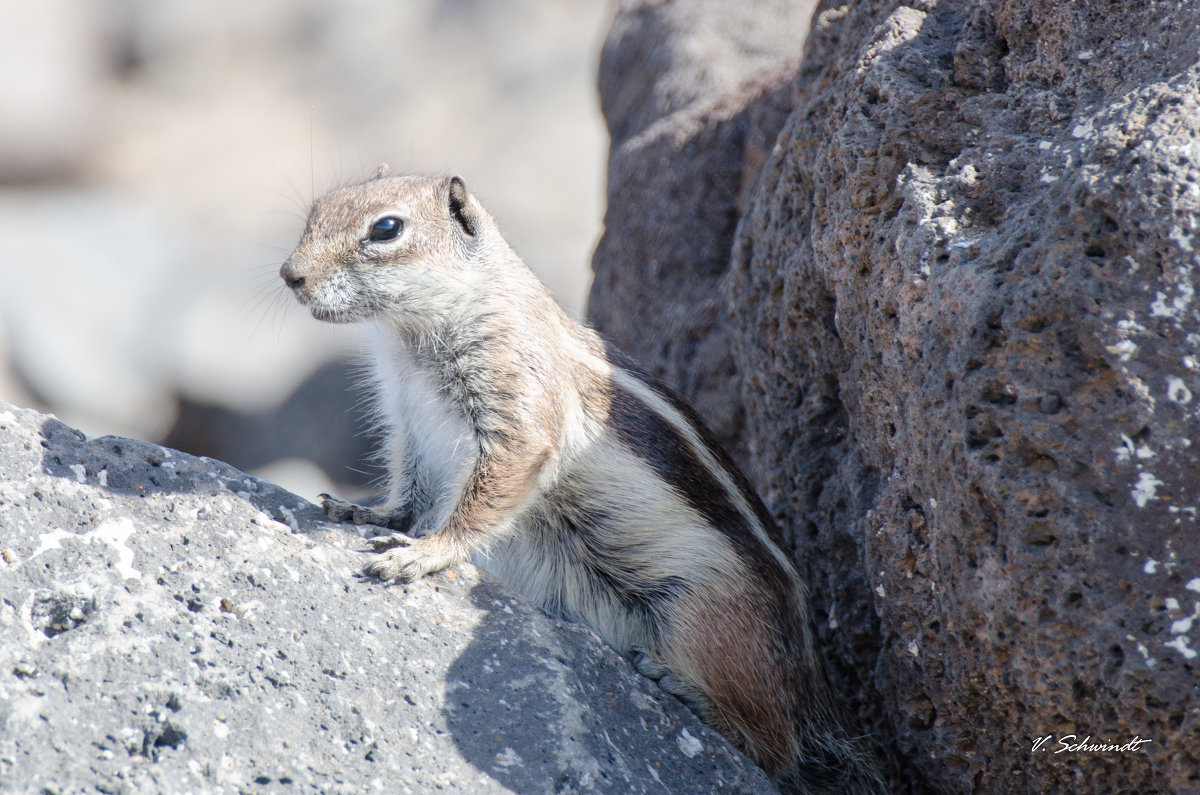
[[400, 246]]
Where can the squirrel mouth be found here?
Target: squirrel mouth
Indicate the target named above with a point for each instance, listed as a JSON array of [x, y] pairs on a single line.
[[332, 315]]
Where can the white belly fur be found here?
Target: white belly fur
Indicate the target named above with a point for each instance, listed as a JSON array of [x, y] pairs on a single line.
[[440, 441]]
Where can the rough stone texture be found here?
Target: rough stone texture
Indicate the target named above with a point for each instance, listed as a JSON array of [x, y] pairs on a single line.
[[962, 307], [168, 623]]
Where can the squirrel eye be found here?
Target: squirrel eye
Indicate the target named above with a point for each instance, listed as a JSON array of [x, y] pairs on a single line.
[[385, 229]]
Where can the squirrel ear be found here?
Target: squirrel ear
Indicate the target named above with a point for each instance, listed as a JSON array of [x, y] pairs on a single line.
[[459, 204], [383, 170]]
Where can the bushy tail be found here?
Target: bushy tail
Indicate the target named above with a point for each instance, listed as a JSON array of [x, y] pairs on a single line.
[[829, 763]]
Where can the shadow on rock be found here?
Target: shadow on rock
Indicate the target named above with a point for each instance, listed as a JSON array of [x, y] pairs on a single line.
[[536, 701], [131, 467]]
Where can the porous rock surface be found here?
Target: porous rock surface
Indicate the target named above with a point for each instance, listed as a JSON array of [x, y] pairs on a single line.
[[168, 623], [957, 335]]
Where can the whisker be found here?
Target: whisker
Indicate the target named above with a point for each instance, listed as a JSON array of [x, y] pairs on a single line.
[[269, 306], [296, 196], [275, 247], [312, 169]]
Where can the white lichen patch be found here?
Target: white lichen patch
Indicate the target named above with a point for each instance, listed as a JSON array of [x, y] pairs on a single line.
[[931, 226], [1150, 566], [1180, 644], [1184, 625], [1083, 129], [1175, 309], [1177, 391], [1181, 238], [80, 473], [899, 29], [1123, 350], [1140, 390], [508, 758], [51, 540], [1144, 489], [689, 745], [114, 532], [290, 517], [1141, 647], [1129, 325], [1193, 584]]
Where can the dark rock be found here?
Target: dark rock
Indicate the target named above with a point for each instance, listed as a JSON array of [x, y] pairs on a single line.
[[168, 623], [962, 307], [693, 96]]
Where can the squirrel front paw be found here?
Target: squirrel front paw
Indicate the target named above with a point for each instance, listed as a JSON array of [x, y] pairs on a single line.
[[655, 670], [340, 510], [408, 559]]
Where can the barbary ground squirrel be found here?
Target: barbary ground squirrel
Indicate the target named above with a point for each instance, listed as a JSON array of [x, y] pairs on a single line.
[[521, 440]]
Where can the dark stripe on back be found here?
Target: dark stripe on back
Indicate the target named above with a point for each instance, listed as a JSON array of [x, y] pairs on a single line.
[[656, 441], [626, 362]]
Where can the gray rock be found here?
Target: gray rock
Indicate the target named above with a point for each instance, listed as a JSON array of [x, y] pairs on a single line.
[[168, 623], [661, 58], [962, 310]]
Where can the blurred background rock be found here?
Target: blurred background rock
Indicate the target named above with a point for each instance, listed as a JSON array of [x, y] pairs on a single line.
[[156, 160]]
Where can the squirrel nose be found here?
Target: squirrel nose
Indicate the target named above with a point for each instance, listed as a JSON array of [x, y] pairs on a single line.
[[290, 277]]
